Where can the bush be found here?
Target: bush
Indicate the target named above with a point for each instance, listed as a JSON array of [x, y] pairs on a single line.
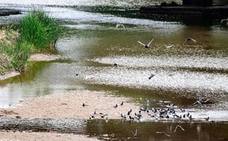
[[39, 29], [36, 31], [20, 55]]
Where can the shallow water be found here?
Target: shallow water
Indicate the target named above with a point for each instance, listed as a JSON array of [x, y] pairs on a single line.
[[147, 131], [182, 74]]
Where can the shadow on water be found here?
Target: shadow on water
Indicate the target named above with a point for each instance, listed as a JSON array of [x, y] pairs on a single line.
[[151, 131], [146, 97], [33, 69]]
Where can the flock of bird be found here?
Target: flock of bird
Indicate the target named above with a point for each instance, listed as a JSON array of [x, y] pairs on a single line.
[[188, 41], [168, 112]]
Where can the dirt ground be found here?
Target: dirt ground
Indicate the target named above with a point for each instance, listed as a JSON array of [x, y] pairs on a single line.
[[70, 105], [34, 136]]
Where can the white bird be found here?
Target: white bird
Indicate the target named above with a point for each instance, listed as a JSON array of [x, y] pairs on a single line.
[[189, 41], [224, 22], [120, 26], [169, 46], [146, 45]]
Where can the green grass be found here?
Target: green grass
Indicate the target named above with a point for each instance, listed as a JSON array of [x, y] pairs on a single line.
[[20, 56], [39, 29]]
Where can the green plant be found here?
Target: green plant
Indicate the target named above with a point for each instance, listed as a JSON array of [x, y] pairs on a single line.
[[20, 55], [39, 29], [36, 31]]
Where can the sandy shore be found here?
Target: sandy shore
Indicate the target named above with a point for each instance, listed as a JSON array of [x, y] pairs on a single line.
[[69, 105], [8, 75], [35, 136], [44, 57]]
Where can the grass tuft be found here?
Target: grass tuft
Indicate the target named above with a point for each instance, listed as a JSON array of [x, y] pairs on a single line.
[[39, 29], [20, 56]]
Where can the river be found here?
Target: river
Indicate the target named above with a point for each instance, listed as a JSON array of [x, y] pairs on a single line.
[[182, 74]]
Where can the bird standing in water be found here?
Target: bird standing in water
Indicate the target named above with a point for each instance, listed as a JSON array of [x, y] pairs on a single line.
[[146, 45]]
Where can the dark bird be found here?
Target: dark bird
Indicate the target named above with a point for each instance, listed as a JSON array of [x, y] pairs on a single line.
[[76, 74], [83, 105], [102, 116], [190, 117], [151, 76], [138, 116], [146, 45], [207, 119], [123, 116], [121, 104], [188, 114], [131, 118], [91, 117], [115, 65], [129, 112], [115, 106], [18, 117]]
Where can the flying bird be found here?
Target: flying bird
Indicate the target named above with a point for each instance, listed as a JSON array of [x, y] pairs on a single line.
[[190, 41], [120, 26], [83, 105], [169, 46], [146, 45], [151, 76]]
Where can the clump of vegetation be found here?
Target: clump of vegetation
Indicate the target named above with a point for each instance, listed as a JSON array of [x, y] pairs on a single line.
[[20, 55], [4, 63], [8, 38], [37, 31]]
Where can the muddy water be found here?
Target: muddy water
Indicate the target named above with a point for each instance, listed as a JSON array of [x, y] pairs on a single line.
[[182, 73], [149, 131]]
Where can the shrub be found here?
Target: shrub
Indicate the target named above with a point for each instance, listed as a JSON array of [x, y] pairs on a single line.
[[36, 31], [20, 55], [39, 29]]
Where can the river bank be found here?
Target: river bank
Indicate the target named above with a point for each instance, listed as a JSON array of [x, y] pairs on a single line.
[[22, 43], [41, 136], [70, 105]]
